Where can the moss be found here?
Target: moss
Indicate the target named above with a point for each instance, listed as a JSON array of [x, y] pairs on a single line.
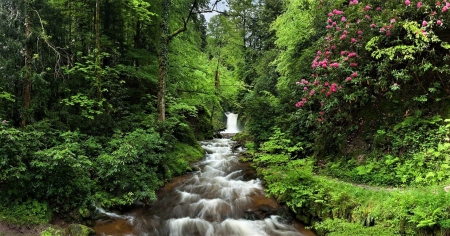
[[53, 231], [80, 230]]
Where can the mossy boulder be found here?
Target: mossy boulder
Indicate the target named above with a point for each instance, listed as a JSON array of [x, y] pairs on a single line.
[[80, 230]]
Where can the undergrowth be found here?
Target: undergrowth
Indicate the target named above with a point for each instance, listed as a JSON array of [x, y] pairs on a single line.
[[333, 207]]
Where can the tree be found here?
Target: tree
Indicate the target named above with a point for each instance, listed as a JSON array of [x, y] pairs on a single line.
[[195, 7]]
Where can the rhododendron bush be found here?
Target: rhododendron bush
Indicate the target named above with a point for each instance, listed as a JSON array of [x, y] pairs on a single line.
[[377, 50]]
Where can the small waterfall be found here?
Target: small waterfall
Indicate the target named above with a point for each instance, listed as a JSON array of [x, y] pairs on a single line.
[[232, 126]]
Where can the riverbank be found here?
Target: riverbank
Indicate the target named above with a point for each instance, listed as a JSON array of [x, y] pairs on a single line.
[[336, 208]]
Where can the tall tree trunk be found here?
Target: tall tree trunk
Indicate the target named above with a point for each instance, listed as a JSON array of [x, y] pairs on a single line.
[[97, 50], [26, 92], [163, 58]]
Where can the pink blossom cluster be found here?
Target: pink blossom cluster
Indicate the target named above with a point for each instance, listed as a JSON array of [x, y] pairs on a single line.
[[345, 33]]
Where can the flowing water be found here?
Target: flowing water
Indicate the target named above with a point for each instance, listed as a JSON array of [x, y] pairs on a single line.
[[232, 126], [221, 199]]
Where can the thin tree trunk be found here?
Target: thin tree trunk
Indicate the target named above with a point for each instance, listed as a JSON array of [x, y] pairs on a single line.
[[166, 37], [163, 58], [97, 50], [26, 93]]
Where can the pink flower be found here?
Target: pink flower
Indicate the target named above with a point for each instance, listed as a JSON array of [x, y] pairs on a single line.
[[345, 58], [319, 52], [378, 8], [367, 7], [297, 83], [388, 33], [353, 40], [337, 12], [438, 3], [444, 9], [439, 22], [353, 64], [352, 54], [359, 32], [326, 84], [343, 18], [312, 92], [382, 29], [358, 20], [333, 47], [3, 121], [373, 25], [335, 65], [407, 2], [419, 4], [343, 53], [367, 17], [354, 74], [424, 33], [338, 28], [329, 20], [328, 26], [330, 14], [424, 23], [305, 88], [334, 23], [349, 79], [392, 20]]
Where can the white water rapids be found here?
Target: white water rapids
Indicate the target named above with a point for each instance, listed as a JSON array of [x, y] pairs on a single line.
[[214, 201]]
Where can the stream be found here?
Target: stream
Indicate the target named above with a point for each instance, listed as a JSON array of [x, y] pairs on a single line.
[[222, 198]]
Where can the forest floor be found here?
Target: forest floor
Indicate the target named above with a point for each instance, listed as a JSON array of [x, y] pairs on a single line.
[[27, 230], [7, 229]]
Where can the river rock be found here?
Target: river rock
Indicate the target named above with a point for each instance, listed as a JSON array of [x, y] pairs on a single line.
[[80, 230]]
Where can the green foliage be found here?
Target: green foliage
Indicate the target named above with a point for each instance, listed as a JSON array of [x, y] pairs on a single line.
[[339, 227], [262, 107], [16, 151], [50, 231], [130, 171], [282, 173], [26, 212]]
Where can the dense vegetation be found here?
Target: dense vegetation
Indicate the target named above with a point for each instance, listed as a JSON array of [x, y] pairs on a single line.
[[79, 102], [102, 101], [360, 93]]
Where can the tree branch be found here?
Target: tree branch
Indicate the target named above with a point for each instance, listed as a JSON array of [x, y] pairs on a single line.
[[185, 22], [192, 12]]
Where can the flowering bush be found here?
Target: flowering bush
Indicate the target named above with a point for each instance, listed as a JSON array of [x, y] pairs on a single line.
[[375, 48]]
